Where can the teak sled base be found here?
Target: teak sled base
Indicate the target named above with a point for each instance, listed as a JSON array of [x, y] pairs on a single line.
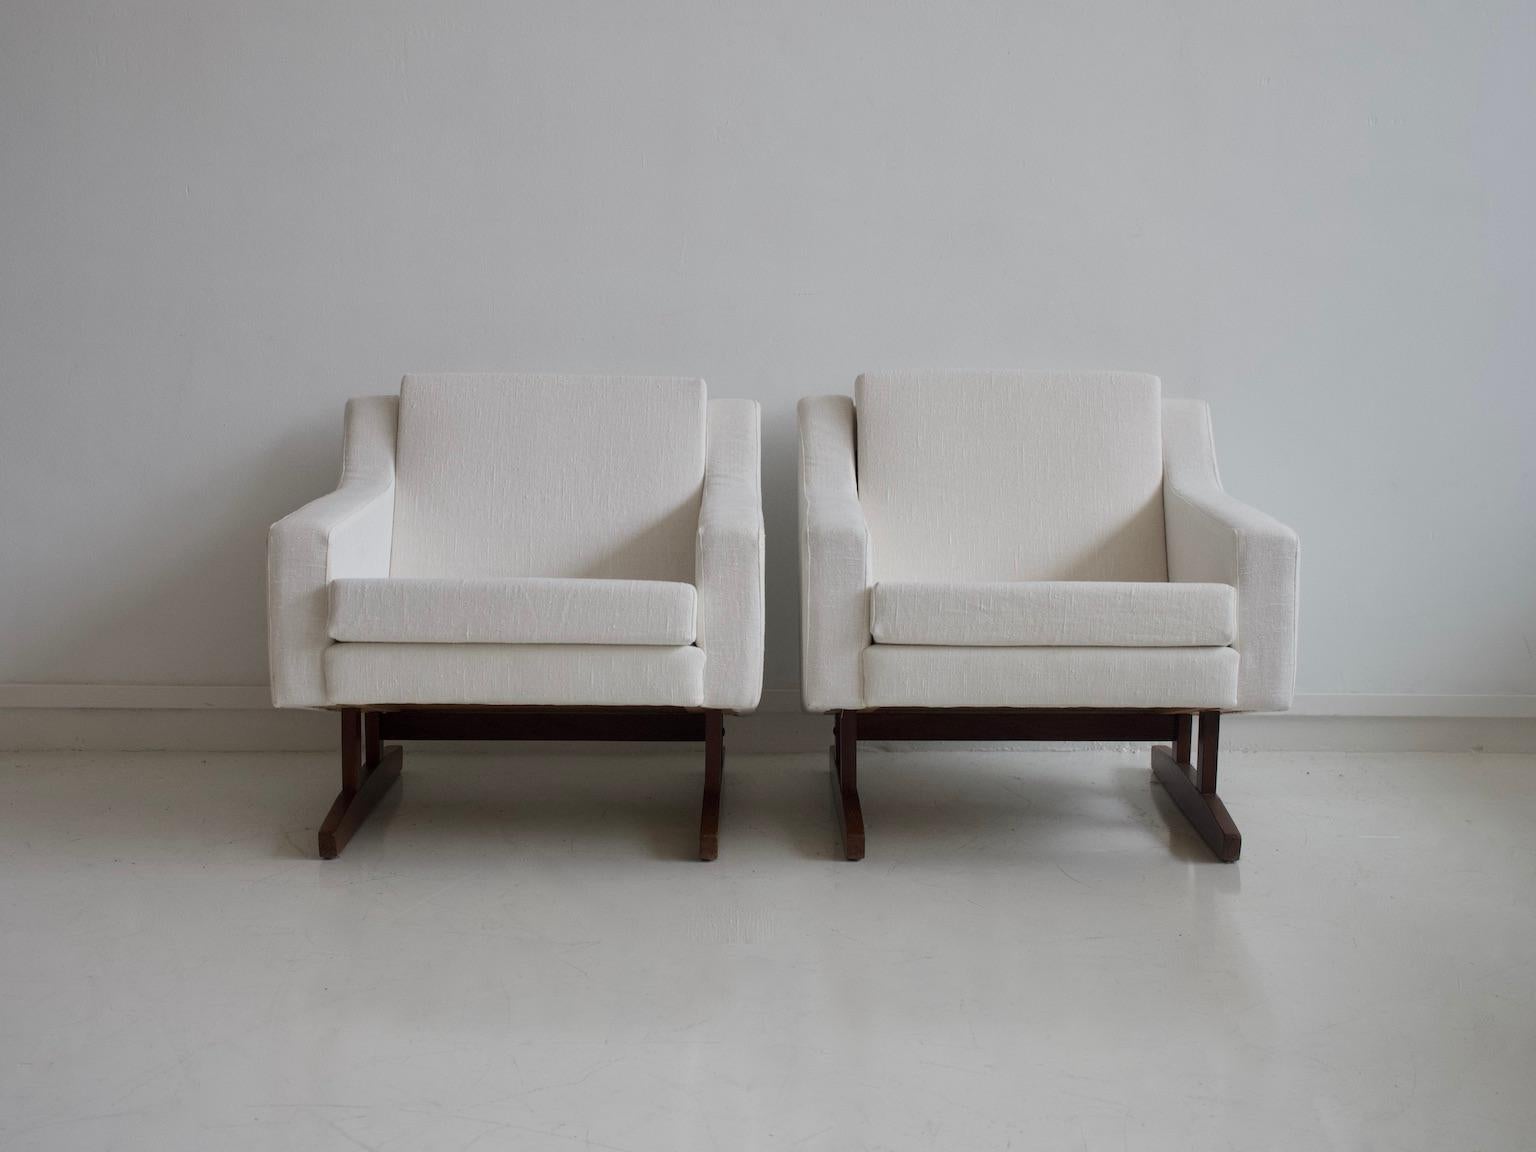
[[1191, 785], [369, 769]]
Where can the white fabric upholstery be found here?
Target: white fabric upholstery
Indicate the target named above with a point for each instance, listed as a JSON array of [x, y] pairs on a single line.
[[597, 484], [730, 558], [574, 476], [1212, 537], [834, 558], [517, 610], [1012, 476], [903, 676], [553, 675], [1051, 613], [346, 533], [927, 505]]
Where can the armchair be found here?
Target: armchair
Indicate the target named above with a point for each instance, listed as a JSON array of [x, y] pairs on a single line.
[[525, 557], [1035, 556]]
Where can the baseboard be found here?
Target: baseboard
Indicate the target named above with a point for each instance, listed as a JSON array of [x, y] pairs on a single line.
[[116, 729], [153, 717]]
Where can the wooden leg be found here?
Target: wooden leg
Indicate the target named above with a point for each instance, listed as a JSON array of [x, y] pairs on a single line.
[[1210, 739], [1184, 739], [714, 773], [367, 773], [844, 756], [1194, 789], [353, 760], [371, 747]]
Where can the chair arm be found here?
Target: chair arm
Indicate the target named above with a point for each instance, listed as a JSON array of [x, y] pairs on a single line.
[[729, 558], [345, 533], [834, 558], [1214, 538]]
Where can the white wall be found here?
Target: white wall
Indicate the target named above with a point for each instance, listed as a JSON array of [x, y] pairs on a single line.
[[218, 221]]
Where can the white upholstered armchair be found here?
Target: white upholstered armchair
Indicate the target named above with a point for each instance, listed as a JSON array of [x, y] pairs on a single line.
[[525, 557], [1035, 556]]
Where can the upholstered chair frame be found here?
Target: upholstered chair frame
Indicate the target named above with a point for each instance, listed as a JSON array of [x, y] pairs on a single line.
[[1206, 536], [353, 540]]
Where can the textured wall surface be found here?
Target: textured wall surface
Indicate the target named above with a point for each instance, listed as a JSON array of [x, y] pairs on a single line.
[[218, 221]]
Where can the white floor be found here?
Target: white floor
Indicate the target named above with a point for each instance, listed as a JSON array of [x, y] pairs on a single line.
[[517, 953]]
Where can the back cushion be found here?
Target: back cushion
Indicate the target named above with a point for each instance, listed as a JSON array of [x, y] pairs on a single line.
[[1021, 476], [578, 476]]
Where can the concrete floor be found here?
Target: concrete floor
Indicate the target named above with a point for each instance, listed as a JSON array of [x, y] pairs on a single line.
[[517, 953]]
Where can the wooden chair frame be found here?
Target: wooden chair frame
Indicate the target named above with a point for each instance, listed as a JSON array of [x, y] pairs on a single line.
[[369, 769], [1192, 786]]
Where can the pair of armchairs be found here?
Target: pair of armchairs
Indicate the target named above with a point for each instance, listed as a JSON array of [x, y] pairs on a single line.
[[1028, 556]]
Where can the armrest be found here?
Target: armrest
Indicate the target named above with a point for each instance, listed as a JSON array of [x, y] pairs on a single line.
[[834, 558], [346, 533], [1214, 538], [729, 558]]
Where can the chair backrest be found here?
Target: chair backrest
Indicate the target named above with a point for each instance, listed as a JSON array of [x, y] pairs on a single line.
[[1012, 476], [569, 476]]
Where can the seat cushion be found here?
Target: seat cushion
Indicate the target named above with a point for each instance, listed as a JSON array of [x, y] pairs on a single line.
[[1055, 614], [551, 675], [518, 610], [976, 477], [575, 476], [910, 676]]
